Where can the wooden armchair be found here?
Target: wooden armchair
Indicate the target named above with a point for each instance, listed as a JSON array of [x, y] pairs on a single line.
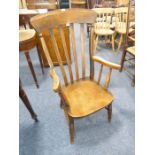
[[80, 95], [102, 25]]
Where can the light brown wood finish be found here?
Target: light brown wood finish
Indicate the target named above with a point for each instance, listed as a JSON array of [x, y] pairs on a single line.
[[85, 97], [122, 2], [50, 46], [100, 73], [82, 96], [106, 85], [106, 63]]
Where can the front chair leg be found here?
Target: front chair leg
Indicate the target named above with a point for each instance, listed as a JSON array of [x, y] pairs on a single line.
[[109, 112], [71, 129]]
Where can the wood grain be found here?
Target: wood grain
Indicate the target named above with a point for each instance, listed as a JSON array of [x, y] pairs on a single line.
[[84, 95]]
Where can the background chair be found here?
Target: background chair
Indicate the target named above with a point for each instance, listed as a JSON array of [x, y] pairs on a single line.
[[120, 23], [81, 95], [129, 47], [102, 25]]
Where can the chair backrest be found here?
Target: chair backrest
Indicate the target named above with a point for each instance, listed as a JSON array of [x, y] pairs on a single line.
[[104, 17], [60, 19], [121, 15]]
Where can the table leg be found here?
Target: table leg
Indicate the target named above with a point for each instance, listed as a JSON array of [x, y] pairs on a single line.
[[31, 68], [26, 102], [40, 59]]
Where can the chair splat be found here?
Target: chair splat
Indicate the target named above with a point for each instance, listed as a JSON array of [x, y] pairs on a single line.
[[66, 53], [107, 81], [58, 57], [83, 50], [74, 50], [100, 73]]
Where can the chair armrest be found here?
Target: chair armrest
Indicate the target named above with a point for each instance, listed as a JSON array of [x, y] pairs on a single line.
[[106, 63], [56, 83]]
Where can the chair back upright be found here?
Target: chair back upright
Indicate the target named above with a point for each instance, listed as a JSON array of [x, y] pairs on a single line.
[[22, 4], [121, 15], [104, 18], [60, 19]]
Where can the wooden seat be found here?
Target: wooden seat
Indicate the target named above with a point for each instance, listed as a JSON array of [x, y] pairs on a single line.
[[81, 94], [121, 29], [27, 41], [103, 32], [131, 50], [102, 27], [92, 94]]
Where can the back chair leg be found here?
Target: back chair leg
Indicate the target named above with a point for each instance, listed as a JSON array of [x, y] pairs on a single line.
[[31, 68], [120, 42], [105, 37], [66, 115], [109, 112], [113, 43], [71, 129]]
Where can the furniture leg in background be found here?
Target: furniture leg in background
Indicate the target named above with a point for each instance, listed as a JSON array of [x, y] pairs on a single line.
[[28, 40], [26, 102]]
